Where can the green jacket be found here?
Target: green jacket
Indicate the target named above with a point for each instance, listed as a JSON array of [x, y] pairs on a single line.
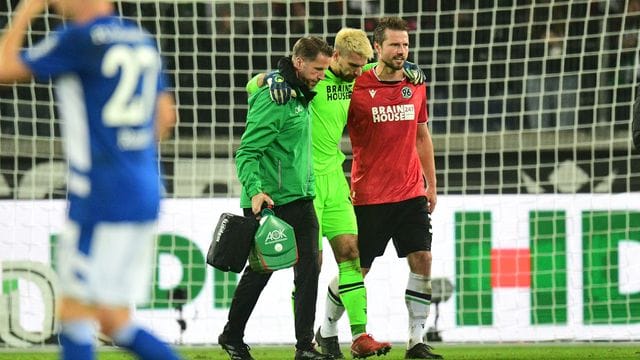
[[274, 156]]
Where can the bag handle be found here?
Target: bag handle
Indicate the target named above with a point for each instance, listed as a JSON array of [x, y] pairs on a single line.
[[267, 211]]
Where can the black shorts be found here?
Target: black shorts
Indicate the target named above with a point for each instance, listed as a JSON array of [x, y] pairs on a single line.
[[407, 222]]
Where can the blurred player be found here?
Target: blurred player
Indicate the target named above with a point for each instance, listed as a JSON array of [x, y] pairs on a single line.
[[113, 104]]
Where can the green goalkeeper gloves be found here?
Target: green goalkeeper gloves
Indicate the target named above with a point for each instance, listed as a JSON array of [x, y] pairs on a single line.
[[279, 89], [414, 74]]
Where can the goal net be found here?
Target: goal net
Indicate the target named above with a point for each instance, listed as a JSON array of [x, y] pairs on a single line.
[[530, 106]]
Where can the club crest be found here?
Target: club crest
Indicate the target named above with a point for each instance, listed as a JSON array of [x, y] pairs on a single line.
[[406, 92]]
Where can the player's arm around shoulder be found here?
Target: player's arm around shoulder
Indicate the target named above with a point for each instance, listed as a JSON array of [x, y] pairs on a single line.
[[12, 68], [412, 72], [279, 90], [255, 84], [266, 118], [369, 66]]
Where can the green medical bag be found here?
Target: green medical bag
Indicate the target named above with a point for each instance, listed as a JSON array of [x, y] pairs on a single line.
[[275, 246]]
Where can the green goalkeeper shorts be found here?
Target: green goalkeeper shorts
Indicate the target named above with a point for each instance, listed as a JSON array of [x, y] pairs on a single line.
[[333, 206]]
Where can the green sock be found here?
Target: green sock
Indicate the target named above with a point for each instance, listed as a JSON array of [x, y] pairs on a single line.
[[353, 295], [357, 330]]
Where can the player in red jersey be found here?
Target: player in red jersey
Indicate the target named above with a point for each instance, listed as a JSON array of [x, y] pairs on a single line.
[[393, 181]]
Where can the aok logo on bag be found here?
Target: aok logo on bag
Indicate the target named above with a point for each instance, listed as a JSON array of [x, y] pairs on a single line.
[[275, 236]]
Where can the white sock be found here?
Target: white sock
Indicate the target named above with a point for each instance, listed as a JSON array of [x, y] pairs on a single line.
[[333, 310], [417, 297]]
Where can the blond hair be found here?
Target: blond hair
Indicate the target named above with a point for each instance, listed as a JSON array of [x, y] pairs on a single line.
[[349, 41]]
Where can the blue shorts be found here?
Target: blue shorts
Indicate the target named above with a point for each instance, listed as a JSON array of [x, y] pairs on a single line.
[[107, 263]]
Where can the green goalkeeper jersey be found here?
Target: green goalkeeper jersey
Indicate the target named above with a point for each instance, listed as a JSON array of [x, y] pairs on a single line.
[[328, 118]]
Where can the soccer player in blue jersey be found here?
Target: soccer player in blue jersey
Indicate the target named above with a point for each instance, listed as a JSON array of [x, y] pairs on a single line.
[[114, 107]]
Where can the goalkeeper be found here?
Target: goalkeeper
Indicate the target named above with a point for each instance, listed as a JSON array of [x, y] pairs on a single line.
[[332, 204]]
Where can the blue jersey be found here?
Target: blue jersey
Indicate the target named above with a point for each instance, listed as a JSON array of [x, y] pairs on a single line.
[[107, 76]]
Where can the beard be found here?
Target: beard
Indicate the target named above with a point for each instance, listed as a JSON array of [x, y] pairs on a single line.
[[391, 63], [311, 84], [349, 77]]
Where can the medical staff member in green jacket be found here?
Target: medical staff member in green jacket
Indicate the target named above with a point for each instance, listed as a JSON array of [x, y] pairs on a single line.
[[274, 166]]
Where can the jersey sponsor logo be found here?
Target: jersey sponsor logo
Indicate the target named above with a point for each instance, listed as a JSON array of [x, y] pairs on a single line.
[[404, 112], [339, 92], [406, 92]]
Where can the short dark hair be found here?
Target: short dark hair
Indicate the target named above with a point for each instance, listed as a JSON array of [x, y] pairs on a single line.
[[309, 47], [391, 23]]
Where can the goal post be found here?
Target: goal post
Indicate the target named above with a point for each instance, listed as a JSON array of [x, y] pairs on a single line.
[[530, 105]]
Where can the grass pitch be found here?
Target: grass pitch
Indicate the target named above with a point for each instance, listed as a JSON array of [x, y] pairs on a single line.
[[540, 351]]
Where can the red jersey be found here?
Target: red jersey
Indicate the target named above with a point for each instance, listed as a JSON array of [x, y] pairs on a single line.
[[383, 120]]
